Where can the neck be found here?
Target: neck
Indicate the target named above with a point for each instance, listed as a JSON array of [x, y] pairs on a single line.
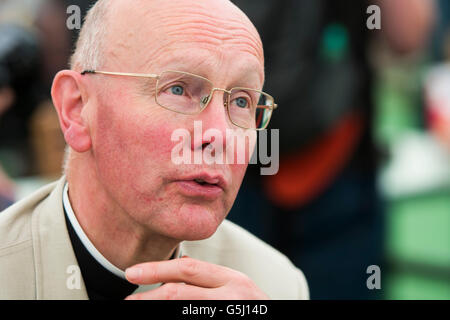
[[120, 239]]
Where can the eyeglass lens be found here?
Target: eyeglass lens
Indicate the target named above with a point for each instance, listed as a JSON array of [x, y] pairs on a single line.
[[189, 94]]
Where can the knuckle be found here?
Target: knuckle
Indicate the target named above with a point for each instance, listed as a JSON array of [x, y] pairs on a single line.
[[188, 267], [244, 286], [153, 274]]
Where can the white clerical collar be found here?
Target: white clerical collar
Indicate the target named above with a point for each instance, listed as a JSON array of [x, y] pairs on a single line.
[[84, 238], [87, 243]]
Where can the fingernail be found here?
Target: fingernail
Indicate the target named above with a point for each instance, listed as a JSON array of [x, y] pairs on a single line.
[[133, 273]]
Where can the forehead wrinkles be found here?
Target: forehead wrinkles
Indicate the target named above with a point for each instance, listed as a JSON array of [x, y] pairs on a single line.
[[152, 31], [213, 32]]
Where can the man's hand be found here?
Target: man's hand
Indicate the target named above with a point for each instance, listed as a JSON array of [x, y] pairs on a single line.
[[190, 279]]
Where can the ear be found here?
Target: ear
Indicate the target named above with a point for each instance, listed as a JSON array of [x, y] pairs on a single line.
[[69, 100]]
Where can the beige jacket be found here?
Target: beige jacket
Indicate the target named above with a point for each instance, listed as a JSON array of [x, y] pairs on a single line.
[[37, 259]]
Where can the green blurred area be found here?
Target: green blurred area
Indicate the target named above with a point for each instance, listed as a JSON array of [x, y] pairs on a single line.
[[417, 239], [418, 247]]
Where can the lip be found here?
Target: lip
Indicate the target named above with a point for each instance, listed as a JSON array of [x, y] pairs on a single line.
[[216, 185]]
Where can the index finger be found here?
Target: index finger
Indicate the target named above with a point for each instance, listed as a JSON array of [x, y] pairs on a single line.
[[187, 270]]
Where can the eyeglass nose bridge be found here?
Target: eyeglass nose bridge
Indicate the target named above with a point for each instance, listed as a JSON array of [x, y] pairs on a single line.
[[209, 98]]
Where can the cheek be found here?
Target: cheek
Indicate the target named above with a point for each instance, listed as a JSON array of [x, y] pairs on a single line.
[[156, 139], [132, 145]]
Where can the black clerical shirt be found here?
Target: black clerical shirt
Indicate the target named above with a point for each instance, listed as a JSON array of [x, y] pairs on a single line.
[[101, 284]]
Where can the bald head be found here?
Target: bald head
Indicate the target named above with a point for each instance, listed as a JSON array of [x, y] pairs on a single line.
[[148, 30]]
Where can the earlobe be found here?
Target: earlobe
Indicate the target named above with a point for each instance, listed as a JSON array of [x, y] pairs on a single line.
[[78, 138], [69, 103]]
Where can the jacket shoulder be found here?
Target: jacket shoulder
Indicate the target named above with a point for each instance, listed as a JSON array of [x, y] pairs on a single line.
[[16, 247], [236, 248], [15, 221]]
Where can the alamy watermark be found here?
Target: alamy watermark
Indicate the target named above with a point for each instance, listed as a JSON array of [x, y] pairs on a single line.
[[374, 20], [374, 280], [74, 19], [238, 146], [73, 281]]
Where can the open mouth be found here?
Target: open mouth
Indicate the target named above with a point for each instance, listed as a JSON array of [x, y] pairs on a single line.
[[204, 186], [208, 181], [203, 182]]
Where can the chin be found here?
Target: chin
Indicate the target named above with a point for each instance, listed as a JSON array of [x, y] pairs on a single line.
[[195, 222], [194, 236]]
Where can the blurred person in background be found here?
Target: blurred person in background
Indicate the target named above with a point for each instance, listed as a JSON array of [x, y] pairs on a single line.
[[34, 45], [20, 66], [18, 72], [441, 37], [322, 209]]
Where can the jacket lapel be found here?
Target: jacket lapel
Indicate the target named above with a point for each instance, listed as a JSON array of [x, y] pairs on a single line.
[[57, 273]]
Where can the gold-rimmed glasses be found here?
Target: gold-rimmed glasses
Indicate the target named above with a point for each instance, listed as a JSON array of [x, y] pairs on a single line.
[[190, 94]]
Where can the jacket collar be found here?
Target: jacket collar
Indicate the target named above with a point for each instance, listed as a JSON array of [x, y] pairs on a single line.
[[57, 273]]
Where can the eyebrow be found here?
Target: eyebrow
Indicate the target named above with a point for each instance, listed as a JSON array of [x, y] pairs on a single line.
[[245, 75]]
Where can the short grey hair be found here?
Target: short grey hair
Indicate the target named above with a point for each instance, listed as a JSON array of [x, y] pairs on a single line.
[[88, 51]]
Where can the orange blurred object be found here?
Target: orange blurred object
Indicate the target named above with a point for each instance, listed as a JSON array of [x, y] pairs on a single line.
[[303, 175], [437, 102]]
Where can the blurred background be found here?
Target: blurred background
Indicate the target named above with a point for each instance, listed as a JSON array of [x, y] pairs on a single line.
[[364, 119]]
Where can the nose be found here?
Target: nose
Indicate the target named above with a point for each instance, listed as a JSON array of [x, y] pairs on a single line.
[[214, 121]]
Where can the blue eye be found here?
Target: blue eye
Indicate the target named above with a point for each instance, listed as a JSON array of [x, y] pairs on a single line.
[[241, 102], [177, 90]]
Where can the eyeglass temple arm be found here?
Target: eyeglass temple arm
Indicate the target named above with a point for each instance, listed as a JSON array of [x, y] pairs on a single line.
[[141, 75], [269, 107], [150, 75]]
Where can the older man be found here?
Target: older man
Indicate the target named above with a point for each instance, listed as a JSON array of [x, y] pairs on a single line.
[[140, 72]]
